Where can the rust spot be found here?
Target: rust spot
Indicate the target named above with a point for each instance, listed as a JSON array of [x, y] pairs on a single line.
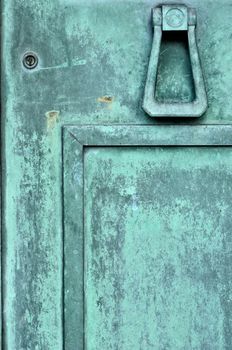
[[52, 119], [106, 99]]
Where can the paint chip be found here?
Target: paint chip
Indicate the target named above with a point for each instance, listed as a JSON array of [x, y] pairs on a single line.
[[52, 119], [105, 99]]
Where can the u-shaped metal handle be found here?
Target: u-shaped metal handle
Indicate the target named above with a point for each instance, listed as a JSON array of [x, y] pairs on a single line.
[[175, 18]]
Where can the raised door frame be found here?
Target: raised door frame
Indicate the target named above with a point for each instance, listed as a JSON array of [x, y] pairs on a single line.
[[75, 140]]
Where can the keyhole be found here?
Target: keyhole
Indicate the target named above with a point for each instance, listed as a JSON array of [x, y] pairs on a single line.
[[30, 60]]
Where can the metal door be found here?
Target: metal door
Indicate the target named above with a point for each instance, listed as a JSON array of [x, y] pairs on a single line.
[[117, 166]]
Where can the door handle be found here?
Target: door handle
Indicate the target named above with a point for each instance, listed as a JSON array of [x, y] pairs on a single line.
[[174, 18]]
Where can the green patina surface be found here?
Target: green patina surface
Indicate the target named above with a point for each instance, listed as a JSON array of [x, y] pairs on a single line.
[[147, 237], [93, 59], [158, 253]]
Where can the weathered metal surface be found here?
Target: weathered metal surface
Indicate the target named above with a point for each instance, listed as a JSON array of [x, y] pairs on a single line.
[[165, 135], [158, 253], [84, 56], [154, 248], [93, 58], [73, 287]]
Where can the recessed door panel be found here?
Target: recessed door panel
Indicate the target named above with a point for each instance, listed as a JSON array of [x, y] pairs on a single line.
[[157, 248], [147, 238]]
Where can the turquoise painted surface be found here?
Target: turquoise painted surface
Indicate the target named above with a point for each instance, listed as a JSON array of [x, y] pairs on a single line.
[[158, 248]]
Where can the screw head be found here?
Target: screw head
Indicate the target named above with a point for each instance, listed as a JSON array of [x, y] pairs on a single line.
[[30, 60]]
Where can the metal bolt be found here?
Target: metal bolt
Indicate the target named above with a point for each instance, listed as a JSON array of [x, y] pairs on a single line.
[[30, 60]]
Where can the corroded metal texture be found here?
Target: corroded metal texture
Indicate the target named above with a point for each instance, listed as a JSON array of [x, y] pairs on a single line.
[[158, 256], [146, 236], [92, 64]]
